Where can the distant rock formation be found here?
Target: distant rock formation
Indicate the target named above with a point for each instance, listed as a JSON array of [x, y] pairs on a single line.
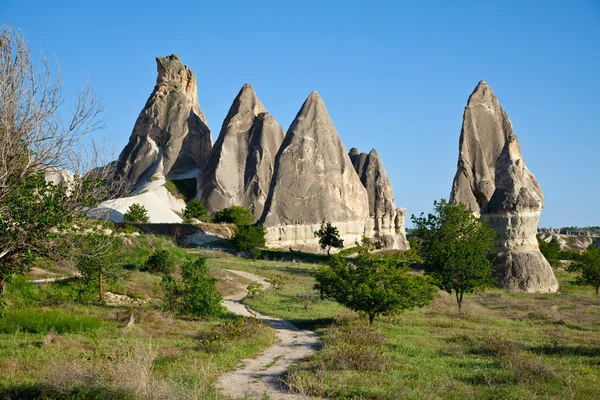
[[492, 179], [241, 164], [314, 181], [170, 136], [386, 221]]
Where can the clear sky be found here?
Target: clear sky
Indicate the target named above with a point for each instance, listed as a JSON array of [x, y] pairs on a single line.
[[395, 75]]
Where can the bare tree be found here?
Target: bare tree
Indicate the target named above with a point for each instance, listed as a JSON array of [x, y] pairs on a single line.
[[35, 143]]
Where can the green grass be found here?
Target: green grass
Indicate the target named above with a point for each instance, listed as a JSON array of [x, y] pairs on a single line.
[[182, 188], [37, 320], [507, 345]]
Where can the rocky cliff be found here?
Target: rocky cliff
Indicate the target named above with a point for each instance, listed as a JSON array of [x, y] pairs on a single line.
[[386, 222], [241, 164], [492, 179], [170, 136], [314, 181]]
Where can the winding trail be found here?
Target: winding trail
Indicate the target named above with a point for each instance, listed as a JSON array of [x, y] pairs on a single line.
[[262, 375]]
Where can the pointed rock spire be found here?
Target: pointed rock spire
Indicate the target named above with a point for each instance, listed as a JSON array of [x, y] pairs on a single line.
[[170, 135], [485, 129], [492, 179], [240, 166], [314, 178]]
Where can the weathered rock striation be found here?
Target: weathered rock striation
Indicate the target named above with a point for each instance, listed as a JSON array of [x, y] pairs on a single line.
[[314, 181], [170, 136], [485, 129], [492, 179], [386, 222], [241, 164]]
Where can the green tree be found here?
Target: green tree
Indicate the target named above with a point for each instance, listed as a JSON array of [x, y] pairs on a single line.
[[99, 259], [588, 265], [196, 210], [234, 215], [373, 284], [455, 247], [158, 262], [136, 213], [551, 251], [195, 294], [329, 237], [248, 237]]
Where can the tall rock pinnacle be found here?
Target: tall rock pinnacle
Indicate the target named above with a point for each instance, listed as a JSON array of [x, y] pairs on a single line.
[[314, 181], [484, 131], [387, 221], [493, 180], [170, 135], [241, 164]]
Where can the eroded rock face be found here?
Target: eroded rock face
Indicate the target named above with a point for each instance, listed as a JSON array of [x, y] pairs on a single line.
[[241, 164], [484, 131], [170, 136], [314, 181], [386, 222], [492, 179]]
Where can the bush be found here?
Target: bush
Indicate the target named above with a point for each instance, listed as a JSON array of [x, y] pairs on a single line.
[[128, 229], [195, 294], [551, 252], [234, 215], [158, 262], [136, 213], [255, 289], [248, 237], [196, 210], [184, 189], [221, 335]]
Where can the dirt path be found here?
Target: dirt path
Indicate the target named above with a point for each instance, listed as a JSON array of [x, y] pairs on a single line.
[[261, 375]]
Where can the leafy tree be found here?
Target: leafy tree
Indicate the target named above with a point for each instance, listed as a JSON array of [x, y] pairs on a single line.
[[373, 284], [196, 210], [551, 251], [158, 262], [455, 247], [248, 237], [99, 259], [234, 215], [136, 213], [588, 265], [329, 237], [195, 294]]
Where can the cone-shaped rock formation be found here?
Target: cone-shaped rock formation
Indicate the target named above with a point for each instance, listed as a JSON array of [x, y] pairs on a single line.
[[314, 181], [170, 136], [241, 164], [484, 131], [492, 179], [513, 212], [386, 221]]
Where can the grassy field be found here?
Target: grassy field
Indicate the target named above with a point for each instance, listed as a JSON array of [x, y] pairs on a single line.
[[56, 341], [506, 345]]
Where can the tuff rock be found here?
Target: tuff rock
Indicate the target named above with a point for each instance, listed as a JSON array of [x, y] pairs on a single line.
[[314, 181], [386, 222], [492, 179], [241, 164], [170, 136]]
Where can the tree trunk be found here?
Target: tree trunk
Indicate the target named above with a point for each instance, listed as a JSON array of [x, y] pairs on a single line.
[[597, 287], [459, 298], [328, 251], [371, 319], [100, 286], [3, 283]]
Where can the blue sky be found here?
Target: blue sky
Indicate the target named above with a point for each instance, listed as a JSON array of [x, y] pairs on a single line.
[[395, 75]]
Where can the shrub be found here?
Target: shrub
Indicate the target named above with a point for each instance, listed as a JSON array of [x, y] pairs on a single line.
[[196, 210], [234, 215], [329, 237], [158, 262], [588, 265], [128, 229], [195, 294], [184, 189], [551, 252], [248, 237], [219, 336], [255, 289], [136, 213]]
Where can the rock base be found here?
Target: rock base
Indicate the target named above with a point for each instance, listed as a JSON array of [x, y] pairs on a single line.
[[526, 271]]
